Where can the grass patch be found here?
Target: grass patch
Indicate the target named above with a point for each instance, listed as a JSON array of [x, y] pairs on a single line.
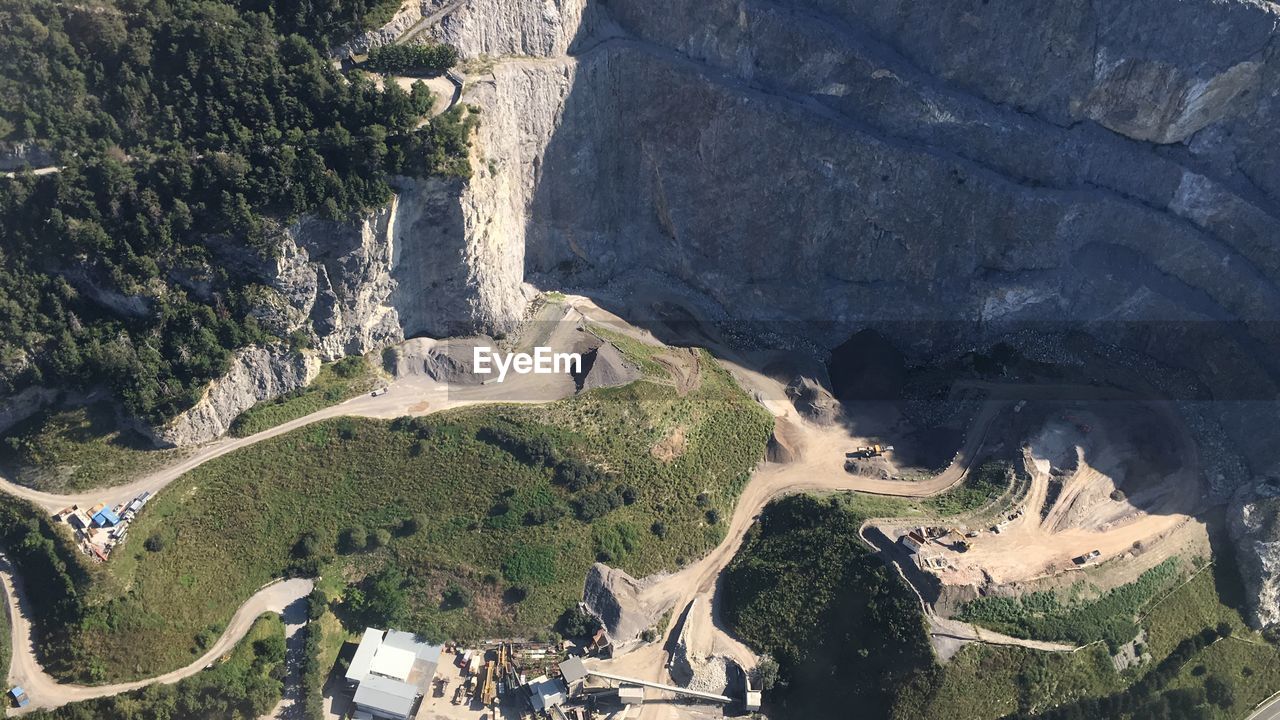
[[1248, 665], [984, 682], [70, 450], [336, 382], [879, 506], [642, 354], [1192, 664], [980, 488], [243, 684], [238, 521], [1045, 615]]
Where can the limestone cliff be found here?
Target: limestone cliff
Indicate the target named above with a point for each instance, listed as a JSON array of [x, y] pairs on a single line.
[[944, 173], [1255, 527], [256, 374], [949, 174]]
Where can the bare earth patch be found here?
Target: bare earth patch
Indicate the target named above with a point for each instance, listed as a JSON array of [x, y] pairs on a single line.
[[670, 447], [685, 369]]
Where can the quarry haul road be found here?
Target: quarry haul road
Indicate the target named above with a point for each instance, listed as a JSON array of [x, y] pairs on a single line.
[[47, 693], [819, 467], [401, 399]]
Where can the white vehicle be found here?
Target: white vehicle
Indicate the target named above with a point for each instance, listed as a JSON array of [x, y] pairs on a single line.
[[379, 391]]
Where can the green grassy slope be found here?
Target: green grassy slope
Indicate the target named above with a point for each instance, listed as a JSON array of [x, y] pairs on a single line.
[[994, 682], [70, 450], [231, 525], [242, 686]]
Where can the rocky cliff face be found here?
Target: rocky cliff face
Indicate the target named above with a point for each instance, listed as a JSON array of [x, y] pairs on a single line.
[[948, 174], [872, 163], [1255, 527], [256, 374]]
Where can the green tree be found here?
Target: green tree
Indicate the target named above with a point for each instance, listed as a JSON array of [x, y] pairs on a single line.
[[381, 600]]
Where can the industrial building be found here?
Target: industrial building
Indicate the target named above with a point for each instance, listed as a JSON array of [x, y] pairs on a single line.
[[546, 693], [390, 672]]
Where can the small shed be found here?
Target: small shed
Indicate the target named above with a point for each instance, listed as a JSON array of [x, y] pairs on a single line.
[[913, 541], [573, 670], [19, 697], [106, 518]]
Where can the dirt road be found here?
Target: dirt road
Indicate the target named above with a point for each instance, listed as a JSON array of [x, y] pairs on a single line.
[[46, 692], [418, 395], [818, 466]]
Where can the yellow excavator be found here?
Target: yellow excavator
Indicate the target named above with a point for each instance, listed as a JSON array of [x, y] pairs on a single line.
[[869, 451]]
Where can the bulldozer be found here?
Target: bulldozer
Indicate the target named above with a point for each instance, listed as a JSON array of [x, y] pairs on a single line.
[[869, 451]]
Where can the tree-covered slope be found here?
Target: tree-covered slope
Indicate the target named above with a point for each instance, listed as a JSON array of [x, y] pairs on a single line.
[[186, 132], [845, 631]]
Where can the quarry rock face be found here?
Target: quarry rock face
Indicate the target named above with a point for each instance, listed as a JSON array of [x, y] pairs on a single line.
[[256, 374], [945, 173], [400, 271], [1254, 518], [813, 401]]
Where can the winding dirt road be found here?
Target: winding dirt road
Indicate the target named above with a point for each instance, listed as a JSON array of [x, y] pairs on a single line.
[[819, 466], [46, 692], [417, 395]]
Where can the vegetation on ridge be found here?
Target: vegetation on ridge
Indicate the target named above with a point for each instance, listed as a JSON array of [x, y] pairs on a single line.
[[188, 132], [245, 685]]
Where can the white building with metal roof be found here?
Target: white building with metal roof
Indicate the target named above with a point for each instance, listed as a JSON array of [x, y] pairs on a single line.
[[391, 670], [384, 697]]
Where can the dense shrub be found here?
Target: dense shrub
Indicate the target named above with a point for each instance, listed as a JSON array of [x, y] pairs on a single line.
[[53, 573], [432, 58], [312, 675], [577, 623], [525, 444], [804, 590], [353, 539], [378, 601], [454, 597], [544, 514], [595, 504], [188, 133], [577, 475], [1042, 616]]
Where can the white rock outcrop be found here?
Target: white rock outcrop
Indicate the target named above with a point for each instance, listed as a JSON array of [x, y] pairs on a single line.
[[256, 374], [497, 28], [1254, 518]]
